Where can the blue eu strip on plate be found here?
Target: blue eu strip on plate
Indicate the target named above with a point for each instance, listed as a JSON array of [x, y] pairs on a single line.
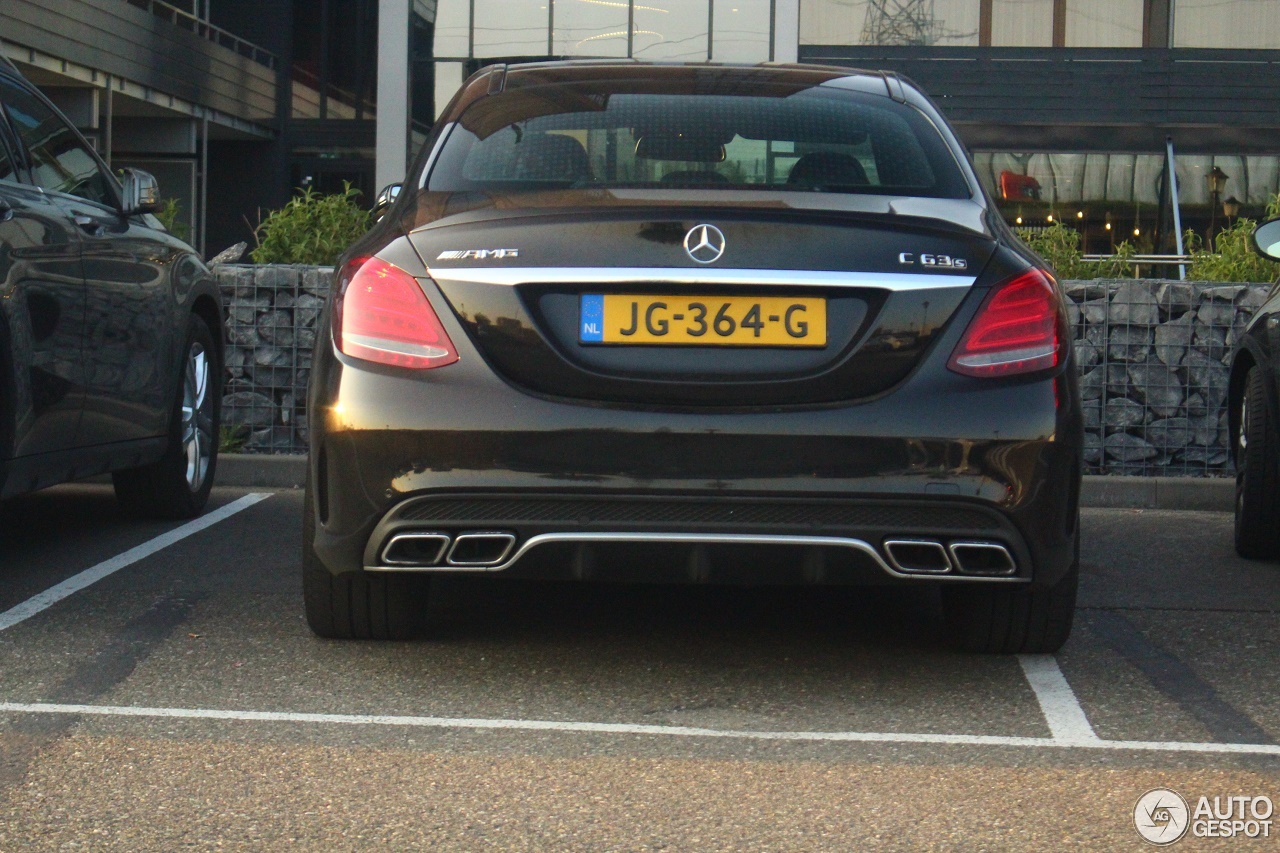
[[591, 324]]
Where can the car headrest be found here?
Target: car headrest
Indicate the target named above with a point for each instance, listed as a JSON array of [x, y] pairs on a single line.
[[827, 168]]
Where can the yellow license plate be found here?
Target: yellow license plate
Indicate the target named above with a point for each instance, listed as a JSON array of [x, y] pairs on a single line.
[[744, 321]]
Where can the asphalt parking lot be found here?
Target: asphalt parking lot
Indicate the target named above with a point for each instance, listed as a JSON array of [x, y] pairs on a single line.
[[159, 689]]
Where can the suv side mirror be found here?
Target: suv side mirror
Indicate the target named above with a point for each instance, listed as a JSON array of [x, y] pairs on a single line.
[[1266, 239], [385, 199], [141, 192]]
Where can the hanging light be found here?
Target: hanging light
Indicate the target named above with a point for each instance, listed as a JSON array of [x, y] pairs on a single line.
[[1231, 207]]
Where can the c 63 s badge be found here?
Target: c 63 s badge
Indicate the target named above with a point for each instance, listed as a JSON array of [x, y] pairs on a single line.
[[477, 254], [940, 262]]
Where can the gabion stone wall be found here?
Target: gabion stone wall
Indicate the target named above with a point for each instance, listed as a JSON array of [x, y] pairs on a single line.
[[1154, 361], [1153, 358], [271, 321]]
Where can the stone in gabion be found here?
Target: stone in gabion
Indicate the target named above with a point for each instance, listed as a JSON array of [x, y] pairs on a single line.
[[316, 281], [276, 277], [1134, 304], [276, 327], [1173, 338], [1118, 380], [1092, 448], [284, 299], [1206, 456], [1204, 432], [272, 357], [306, 338], [272, 438], [1157, 385], [1128, 448], [1123, 413], [307, 310], [1080, 291], [1170, 433], [249, 408], [1093, 383], [1208, 377], [1253, 299], [1087, 354], [1211, 342], [1093, 415], [1073, 315], [1223, 292], [1129, 343], [269, 376], [1175, 298], [1211, 313], [1095, 311], [244, 336]]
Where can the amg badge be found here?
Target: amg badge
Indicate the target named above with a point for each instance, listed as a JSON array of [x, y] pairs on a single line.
[[942, 262], [477, 254]]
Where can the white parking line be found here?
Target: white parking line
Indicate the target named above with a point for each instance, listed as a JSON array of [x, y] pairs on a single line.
[[92, 575], [630, 729], [1061, 709]]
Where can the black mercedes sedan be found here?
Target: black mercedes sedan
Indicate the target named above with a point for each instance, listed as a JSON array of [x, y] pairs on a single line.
[[698, 324], [1253, 398], [110, 327]]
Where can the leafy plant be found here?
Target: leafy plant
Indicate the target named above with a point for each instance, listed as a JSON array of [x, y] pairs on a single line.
[[311, 229], [170, 216], [232, 438], [1060, 247], [1233, 258]]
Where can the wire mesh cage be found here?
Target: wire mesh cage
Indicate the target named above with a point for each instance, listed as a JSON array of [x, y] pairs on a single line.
[[1153, 357]]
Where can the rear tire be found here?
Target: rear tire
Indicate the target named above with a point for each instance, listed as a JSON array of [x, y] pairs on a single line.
[[358, 605], [998, 619], [1257, 532], [177, 485]]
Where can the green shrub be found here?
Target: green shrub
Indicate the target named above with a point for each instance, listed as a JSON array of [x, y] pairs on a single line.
[[1060, 247], [1234, 258], [311, 229], [169, 215]]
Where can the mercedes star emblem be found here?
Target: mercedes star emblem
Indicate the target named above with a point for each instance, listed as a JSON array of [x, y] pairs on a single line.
[[704, 243]]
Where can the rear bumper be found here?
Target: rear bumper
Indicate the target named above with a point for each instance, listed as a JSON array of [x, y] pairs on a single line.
[[794, 496]]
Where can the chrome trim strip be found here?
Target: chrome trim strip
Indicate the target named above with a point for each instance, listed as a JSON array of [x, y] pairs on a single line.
[[703, 539], [512, 276]]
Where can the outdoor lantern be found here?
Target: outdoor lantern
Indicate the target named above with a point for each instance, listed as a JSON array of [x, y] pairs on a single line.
[[1217, 180], [1231, 207]]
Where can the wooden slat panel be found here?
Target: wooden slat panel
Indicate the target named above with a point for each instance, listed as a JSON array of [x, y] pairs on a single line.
[[1082, 86], [128, 42]]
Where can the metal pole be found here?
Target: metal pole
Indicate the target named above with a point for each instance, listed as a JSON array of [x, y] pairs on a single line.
[[711, 26], [110, 120], [204, 182], [631, 30], [1177, 211]]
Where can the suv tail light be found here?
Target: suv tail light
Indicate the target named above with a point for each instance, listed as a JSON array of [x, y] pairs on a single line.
[[382, 315], [1020, 328]]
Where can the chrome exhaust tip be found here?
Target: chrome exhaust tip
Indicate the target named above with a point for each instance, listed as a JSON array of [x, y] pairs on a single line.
[[918, 556], [989, 559], [415, 548], [481, 548]]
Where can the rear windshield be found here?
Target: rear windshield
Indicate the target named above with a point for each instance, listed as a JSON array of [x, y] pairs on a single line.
[[816, 140]]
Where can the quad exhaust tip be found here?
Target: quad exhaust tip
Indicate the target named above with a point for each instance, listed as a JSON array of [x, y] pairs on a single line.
[[423, 549], [483, 548], [931, 557]]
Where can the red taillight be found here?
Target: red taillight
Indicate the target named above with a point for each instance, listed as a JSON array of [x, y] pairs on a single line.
[[1018, 329], [382, 315]]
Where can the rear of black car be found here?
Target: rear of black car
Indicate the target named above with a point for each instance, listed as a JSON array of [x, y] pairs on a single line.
[[697, 324]]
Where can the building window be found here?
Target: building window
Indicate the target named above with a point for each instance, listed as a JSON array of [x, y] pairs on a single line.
[[335, 59], [1104, 23], [952, 23], [1226, 23], [1022, 23]]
